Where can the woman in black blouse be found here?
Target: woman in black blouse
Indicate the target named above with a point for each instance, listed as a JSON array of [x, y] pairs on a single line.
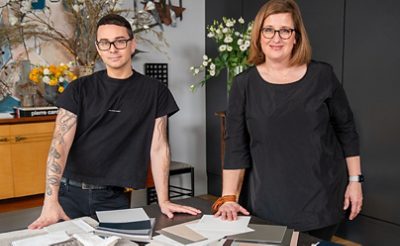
[[290, 128]]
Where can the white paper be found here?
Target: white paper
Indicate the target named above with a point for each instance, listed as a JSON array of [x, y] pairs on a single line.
[[122, 215], [93, 240], [43, 240], [215, 224], [70, 227], [214, 229], [83, 225]]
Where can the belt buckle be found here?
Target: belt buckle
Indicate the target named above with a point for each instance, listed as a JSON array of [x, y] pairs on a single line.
[[86, 186]]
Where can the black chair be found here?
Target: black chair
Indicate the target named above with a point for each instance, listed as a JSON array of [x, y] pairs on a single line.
[[176, 168]]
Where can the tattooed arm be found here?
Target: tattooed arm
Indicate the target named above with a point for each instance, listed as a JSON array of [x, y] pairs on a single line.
[[160, 160], [63, 136]]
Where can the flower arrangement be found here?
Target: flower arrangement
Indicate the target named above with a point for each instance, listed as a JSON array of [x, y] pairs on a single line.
[[53, 75], [233, 40]]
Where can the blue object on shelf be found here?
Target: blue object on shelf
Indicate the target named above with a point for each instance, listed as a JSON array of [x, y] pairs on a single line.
[[8, 103]]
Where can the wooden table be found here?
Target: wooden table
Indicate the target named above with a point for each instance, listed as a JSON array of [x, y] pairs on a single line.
[[153, 211], [162, 221]]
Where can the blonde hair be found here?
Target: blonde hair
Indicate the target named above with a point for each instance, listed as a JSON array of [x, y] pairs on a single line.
[[301, 53]]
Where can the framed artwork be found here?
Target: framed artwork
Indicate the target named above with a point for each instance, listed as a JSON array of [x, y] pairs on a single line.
[[158, 71]]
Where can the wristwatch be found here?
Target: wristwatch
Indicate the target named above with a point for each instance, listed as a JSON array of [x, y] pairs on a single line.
[[357, 178]]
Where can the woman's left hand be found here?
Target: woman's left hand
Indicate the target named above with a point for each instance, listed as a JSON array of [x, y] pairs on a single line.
[[354, 198]]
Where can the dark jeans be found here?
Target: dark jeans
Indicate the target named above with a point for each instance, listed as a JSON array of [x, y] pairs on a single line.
[[325, 233], [78, 202]]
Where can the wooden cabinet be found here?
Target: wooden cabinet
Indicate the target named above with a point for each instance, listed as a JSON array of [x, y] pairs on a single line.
[[6, 175], [29, 151], [23, 149]]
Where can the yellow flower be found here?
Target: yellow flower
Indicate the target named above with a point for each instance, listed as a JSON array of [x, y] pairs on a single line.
[[52, 69], [53, 81], [53, 75], [34, 75]]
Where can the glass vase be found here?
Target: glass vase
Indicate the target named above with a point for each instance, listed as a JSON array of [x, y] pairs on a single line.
[[50, 93], [231, 72]]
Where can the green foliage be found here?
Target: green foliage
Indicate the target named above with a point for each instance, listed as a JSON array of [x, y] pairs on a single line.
[[233, 40]]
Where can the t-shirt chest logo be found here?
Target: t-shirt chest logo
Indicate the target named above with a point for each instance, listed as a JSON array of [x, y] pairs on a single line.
[[114, 110]]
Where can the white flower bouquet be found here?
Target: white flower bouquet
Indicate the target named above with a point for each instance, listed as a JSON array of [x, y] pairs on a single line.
[[233, 40]]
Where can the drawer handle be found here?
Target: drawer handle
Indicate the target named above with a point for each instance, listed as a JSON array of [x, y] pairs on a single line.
[[3, 140], [20, 138]]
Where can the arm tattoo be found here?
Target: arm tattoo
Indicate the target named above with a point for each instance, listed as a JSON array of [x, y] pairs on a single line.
[[55, 168], [54, 153], [64, 123], [52, 181]]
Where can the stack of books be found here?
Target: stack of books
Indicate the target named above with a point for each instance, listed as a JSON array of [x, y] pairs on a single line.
[[35, 111], [132, 224]]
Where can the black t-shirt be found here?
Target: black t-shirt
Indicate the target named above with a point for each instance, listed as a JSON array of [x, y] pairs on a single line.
[[115, 122], [293, 139]]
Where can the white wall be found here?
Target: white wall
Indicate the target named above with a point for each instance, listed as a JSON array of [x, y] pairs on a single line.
[[187, 127]]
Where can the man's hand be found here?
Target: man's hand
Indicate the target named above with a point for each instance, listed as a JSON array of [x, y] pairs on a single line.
[[168, 208], [353, 196], [230, 210], [51, 214]]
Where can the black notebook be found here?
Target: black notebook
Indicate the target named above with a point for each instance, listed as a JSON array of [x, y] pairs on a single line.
[[139, 235], [132, 224]]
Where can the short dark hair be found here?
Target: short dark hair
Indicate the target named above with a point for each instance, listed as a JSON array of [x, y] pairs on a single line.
[[114, 19]]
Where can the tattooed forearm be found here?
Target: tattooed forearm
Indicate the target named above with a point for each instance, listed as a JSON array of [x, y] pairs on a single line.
[[62, 140], [54, 153], [52, 180], [66, 120], [49, 191], [55, 168]]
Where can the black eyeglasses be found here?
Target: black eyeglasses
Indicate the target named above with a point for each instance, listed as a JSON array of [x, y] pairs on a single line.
[[284, 33], [119, 44]]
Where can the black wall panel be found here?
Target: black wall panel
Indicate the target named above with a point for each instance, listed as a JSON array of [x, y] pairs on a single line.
[[324, 23], [251, 8], [216, 95], [372, 82]]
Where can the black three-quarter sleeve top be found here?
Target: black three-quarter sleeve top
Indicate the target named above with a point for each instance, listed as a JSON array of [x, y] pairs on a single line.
[[293, 140]]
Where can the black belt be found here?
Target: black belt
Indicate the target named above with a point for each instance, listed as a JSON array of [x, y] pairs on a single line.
[[85, 186]]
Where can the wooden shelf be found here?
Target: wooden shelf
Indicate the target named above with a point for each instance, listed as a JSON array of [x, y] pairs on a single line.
[[23, 120]]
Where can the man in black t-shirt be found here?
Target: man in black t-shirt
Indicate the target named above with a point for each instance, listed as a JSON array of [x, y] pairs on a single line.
[[110, 125]]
